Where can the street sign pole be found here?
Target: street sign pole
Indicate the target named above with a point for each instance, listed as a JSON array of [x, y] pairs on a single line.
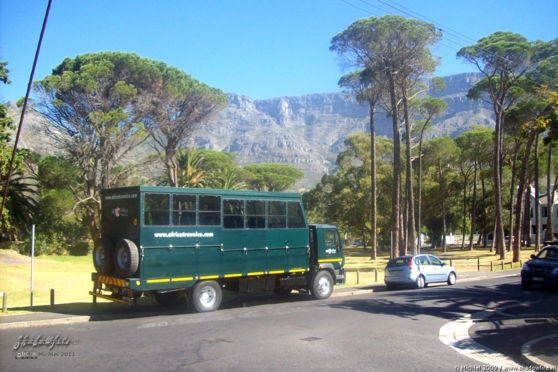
[[32, 260]]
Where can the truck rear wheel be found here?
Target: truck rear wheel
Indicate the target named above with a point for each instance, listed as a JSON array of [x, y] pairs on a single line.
[[102, 256], [322, 285], [126, 258], [206, 296]]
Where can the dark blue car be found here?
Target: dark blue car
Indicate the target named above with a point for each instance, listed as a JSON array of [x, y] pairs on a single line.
[[541, 269]]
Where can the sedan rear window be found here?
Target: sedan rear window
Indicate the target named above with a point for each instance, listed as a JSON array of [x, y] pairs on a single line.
[[399, 261]]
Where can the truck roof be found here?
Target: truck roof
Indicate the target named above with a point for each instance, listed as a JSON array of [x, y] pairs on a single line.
[[323, 226], [240, 193]]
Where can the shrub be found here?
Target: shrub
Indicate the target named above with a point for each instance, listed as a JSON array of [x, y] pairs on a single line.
[[44, 245], [79, 248]]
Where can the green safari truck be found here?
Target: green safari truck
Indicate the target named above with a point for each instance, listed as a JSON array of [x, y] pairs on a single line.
[[179, 244]]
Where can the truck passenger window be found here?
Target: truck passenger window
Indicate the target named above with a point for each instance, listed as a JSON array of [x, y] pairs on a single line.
[[233, 214], [277, 212], [184, 210], [296, 218], [156, 209], [255, 214], [209, 210]]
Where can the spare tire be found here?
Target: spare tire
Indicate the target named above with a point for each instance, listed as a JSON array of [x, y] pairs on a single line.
[[126, 258], [102, 256]]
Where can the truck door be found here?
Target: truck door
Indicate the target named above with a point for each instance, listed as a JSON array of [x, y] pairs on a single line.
[[328, 246], [313, 245]]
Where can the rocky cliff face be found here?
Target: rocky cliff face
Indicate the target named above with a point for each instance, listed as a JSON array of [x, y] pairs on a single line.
[[306, 132]]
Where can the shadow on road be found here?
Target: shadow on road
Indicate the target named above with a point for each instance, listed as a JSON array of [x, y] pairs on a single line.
[[147, 307], [447, 302]]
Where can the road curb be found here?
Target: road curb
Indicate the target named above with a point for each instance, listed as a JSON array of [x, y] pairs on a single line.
[[526, 353], [46, 322], [455, 334], [484, 277], [352, 293]]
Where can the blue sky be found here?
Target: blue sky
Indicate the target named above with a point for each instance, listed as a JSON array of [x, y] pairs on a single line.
[[259, 48]]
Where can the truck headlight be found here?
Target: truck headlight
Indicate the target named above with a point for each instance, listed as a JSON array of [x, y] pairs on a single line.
[[526, 267]]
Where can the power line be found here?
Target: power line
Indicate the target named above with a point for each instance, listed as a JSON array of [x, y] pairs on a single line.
[[458, 39], [23, 109]]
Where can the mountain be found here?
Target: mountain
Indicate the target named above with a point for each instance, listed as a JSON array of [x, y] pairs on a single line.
[[307, 131]]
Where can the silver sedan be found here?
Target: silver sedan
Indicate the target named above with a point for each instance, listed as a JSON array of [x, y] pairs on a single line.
[[419, 270]]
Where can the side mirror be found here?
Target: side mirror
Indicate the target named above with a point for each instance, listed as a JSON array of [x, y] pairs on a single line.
[[533, 256]]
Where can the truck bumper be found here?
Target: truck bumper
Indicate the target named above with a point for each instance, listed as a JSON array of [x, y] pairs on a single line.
[[118, 288]]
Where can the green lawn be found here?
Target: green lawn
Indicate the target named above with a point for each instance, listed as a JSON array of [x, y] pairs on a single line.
[[70, 276]]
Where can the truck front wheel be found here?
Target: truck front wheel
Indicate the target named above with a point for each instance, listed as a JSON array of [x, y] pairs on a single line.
[[206, 296], [322, 285]]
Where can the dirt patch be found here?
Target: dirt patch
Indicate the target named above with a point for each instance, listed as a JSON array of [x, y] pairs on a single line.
[[10, 257]]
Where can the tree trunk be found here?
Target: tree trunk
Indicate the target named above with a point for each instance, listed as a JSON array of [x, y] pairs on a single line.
[[473, 208], [499, 225], [172, 170], [444, 230], [464, 216], [537, 203], [520, 203], [512, 189], [419, 207], [396, 186], [374, 235], [548, 235], [485, 214], [411, 232]]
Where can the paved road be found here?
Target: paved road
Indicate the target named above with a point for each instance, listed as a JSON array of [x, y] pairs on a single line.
[[383, 331]]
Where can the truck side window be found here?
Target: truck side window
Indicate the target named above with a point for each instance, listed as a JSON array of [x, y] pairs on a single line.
[[156, 209], [209, 210], [233, 214], [331, 239], [184, 210], [296, 217], [277, 211], [255, 214]]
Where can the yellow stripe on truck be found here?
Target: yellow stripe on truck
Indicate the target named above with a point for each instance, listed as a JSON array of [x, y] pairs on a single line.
[[331, 260], [182, 279], [149, 281], [297, 270]]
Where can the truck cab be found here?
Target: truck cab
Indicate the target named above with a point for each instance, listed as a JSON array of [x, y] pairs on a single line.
[[327, 250]]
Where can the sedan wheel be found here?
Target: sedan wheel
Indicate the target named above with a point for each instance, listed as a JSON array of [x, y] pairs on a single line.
[[420, 283], [451, 279]]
